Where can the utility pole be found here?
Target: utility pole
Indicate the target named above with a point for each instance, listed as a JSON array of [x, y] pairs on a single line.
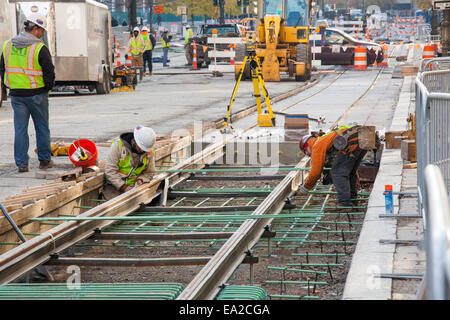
[[222, 11], [445, 32], [132, 14], [434, 21], [151, 14]]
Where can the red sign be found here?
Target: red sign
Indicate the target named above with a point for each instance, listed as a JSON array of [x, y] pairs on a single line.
[[158, 9]]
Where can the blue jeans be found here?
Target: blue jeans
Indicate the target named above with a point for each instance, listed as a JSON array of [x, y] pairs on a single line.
[[165, 53], [37, 107]]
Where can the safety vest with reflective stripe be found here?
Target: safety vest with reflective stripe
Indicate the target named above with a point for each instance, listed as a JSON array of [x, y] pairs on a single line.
[[126, 169], [164, 43], [137, 45], [352, 140], [22, 68], [147, 42], [189, 34]]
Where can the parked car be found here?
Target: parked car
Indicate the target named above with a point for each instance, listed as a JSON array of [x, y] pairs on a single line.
[[338, 48], [201, 40]]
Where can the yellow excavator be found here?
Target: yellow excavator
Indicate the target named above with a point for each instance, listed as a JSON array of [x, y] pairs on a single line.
[[281, 41]]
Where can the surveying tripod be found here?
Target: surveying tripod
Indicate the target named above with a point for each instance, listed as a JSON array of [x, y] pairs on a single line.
[[264, 120]]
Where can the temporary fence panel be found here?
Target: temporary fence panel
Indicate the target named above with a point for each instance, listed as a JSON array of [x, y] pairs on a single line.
[[432, 126], [354, 28], [315, 49], [230, 54], [437, 277]]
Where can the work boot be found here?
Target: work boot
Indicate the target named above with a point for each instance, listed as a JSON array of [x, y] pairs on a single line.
[[343, 205], [23, 169], [45, 164]]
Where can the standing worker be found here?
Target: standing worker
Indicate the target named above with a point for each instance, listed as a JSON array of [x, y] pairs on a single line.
[[149, 44], [27, 69], [136, 49], [165, 45], [187, 44], [340, 150], [131, 162]]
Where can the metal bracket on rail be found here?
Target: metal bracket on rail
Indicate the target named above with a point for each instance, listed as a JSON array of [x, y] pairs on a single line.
[[268, 234]]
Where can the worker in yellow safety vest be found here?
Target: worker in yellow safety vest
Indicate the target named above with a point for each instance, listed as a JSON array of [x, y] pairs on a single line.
[[187, 44], [149, 44], [130, 162], [26, 68], [165, 39], [136, 47]]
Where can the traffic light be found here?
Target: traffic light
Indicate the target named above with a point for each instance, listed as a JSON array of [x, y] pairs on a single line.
[[216, 2]]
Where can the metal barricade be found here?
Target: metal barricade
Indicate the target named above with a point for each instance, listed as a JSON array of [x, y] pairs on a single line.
[[437, 235], [434, 64], [432, 127]]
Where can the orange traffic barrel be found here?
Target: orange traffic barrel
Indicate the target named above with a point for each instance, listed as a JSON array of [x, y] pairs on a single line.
[[428, 52], [360, 59]]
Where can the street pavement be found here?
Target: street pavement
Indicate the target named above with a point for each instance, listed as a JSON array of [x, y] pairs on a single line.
[[163, 102]]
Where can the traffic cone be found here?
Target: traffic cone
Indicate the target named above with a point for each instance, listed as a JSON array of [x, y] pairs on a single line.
[[232, 57], [194, 58]]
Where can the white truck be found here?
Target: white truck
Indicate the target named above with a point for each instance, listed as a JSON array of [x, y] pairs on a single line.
[[5, 34], [78, 36]]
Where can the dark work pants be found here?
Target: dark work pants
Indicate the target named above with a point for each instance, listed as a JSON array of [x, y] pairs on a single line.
[[148, 60], [343, 173]]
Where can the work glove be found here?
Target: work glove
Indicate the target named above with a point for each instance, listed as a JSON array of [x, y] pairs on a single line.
[[303, 190]]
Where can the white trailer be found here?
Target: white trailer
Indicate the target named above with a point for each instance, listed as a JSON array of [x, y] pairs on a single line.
[[5, 34], [78, 37]]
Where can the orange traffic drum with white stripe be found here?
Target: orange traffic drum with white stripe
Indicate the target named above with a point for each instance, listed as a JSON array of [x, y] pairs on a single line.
[[428, 52], [360, 59]]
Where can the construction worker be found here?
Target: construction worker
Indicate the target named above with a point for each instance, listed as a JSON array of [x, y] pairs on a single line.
[[136, 49], [130, 162], [338, 149], [165, 45], [187, 44], [27, 69], [149, 42]]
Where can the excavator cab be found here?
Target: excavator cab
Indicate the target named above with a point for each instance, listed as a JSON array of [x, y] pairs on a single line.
[[282, 42]]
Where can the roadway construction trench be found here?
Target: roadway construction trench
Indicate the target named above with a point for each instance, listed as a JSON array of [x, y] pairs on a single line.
[[307, 257]]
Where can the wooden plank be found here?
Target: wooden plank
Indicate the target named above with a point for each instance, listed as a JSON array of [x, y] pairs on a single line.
[[221, 54], [221, 68], [408, 150], [51, 203], [230, 40], [392, 140]]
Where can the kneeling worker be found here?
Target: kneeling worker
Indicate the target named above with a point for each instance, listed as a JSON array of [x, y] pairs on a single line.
[[131, 162], [340, 150]]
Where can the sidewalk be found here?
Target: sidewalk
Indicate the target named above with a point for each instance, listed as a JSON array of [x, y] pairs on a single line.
[[382, 268]]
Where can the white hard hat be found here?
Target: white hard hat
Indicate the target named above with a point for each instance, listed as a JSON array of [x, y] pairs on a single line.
[[38, 19], [188, 26], [145, 138], [144, 29], [136, 29]]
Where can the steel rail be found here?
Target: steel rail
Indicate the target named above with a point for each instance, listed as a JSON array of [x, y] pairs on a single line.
[[37, 251], [206, 285]]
